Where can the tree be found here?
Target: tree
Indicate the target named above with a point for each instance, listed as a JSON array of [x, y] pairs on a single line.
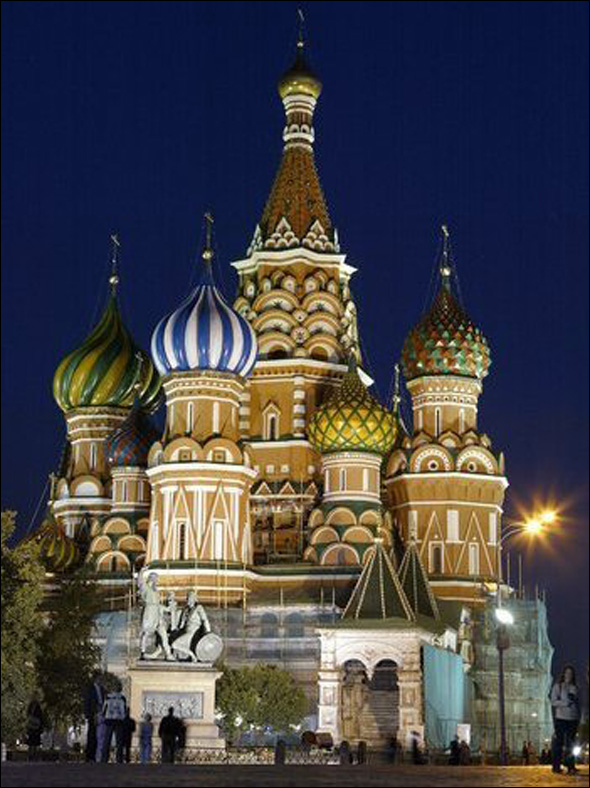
[[253, 698], [22, 622], [67, 656]]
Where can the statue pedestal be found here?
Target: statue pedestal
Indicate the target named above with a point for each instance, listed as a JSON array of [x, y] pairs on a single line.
[[188, 687]]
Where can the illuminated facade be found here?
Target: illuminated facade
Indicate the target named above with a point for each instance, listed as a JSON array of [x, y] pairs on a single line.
[[325, 533]]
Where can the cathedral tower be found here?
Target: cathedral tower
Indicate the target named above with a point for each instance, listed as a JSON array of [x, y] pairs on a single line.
[[95, 385], [294, 290], [446, 485], [200, 472], [353, 433]]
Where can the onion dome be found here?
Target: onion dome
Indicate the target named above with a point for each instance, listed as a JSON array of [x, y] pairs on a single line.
[[352, 420], [58, 551], [108, 368], [299, 79], [445, 341], [129, 444], [205, 332]]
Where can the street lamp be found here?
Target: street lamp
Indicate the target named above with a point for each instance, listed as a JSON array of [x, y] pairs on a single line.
[[533, 526]]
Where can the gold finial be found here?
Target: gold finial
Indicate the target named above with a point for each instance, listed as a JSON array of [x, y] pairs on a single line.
[[137, 384], [301, 34], [208, 250], [114, 277], [396, 388], [445, 266]]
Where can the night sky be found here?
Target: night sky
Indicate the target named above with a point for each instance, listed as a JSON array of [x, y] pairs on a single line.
[[139, 116]]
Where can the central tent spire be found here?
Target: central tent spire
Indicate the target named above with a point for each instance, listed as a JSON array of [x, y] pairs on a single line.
[[296, 213]]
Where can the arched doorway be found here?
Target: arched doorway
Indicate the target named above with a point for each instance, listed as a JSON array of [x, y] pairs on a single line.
[[370, 702]]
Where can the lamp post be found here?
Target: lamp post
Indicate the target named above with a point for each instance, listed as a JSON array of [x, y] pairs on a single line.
[[504, 618]]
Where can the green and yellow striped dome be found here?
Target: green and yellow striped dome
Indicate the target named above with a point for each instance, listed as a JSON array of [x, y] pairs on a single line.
[[106, 369], [58, 552], [352, 420]]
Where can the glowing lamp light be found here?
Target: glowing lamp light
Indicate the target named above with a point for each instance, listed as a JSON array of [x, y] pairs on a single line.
[[548, 517], [577, 751], [533, 526], [504, 616]]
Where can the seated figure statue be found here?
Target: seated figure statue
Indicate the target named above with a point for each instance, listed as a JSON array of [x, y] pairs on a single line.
[[193, 618]]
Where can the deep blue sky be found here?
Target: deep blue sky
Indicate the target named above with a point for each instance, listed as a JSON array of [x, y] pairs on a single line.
[[141, 115]]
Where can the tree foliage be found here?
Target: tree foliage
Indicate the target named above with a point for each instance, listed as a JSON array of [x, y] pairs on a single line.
[[68, 657], [254, 698], [22, 622]]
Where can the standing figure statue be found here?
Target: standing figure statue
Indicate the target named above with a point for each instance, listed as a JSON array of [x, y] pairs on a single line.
[[153, 621], [192, 619]]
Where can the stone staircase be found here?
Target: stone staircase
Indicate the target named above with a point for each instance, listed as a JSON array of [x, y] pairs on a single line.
[[380, 717]]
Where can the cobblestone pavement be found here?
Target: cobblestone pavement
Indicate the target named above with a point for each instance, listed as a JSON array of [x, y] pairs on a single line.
[[89, 776]]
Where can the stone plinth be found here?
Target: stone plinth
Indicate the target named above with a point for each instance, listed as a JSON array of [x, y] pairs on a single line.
[[190, 688]]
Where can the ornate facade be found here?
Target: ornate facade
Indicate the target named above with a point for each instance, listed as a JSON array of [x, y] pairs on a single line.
[[278, 486]]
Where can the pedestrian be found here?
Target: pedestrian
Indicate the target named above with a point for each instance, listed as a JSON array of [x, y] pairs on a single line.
[[34, 728], [114, 711], [344, 753], [361, 752], [129, 727], [93, 703], [565, 702], [545, 756], [533, 760], [171, 732], [280, 752], [464, 753], [526, 755], [417, 756], [146, 733], [454, 755]]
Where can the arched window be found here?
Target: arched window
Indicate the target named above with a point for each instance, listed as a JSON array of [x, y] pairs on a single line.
[[462, 420], [218, 540], [123, 491], [215, 427], [182, 551], [473, 558], [343, 478], [327, 481], [365, 479], [92, 456], [436, 558], [271, 423], [437, 421], [269, 626], [190, 417], [294, 625], [419, 420]]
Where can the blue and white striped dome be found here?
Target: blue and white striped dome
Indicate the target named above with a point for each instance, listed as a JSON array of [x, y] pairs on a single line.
[[204, 333]]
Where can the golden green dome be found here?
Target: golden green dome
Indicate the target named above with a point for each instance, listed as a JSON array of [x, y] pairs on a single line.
[[58, 552], [299, 79], [352, 420], [108, 369]]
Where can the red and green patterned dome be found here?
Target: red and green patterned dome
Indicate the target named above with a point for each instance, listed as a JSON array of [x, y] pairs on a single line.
[[446, 341], [352, 420], [129, 444]]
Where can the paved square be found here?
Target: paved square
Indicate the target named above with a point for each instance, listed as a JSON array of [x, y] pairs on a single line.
[[105, 775]]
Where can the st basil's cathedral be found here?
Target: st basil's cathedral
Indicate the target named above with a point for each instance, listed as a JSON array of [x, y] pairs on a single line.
[[324, 533]]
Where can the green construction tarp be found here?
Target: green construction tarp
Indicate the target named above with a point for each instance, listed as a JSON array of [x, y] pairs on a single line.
[[446, 696]]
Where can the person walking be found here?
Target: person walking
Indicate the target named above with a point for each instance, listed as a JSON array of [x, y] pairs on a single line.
[[129, 727], [34, 726], [171, 732], [455, 752], [114, 711], [93, 703], [565, 702], [526, 755], [146, 733]]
